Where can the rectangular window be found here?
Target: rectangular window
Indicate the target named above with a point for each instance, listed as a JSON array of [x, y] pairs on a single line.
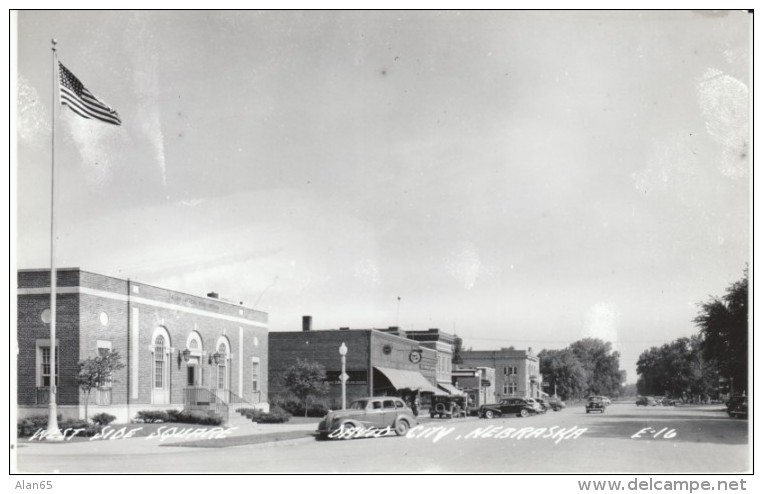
[[45, 367], [505, 388], [512, 388], [104, 347], [255, 376], [220, 377], [505, 370], [159, 374]]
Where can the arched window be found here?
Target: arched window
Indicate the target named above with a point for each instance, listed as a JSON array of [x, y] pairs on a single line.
[[160, 349], [222, 357], [160, 362]]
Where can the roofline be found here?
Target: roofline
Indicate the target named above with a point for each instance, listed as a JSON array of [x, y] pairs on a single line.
[[129, 280]]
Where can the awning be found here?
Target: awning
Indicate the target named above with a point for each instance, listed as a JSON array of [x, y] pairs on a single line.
[[402, 379], [451, 389]]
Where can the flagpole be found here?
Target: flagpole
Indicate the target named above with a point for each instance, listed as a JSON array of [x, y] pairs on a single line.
[[53, 433]]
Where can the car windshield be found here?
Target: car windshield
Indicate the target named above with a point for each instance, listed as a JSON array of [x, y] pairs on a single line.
[[595, 398], [359, 405]]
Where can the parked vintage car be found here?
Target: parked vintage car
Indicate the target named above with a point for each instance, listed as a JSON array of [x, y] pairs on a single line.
[[507, 406], [668, 402], [607, 401], [373, 413], [537, 404], [544, 404], [595, 404], [448, 406], [555, 403], [646, 401], [737, 407]]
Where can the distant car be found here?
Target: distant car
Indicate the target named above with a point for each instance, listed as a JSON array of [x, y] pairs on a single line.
[[737, 407], [646, 401], [538, 404], [374, 413], [595, 404], [508, 406], [555, 403], [448, 406], [607, 401], [668, 402]]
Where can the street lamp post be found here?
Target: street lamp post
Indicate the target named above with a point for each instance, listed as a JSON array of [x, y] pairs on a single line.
[[343, 376]]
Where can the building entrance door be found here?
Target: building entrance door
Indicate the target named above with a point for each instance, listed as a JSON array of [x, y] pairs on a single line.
[[191, 372]]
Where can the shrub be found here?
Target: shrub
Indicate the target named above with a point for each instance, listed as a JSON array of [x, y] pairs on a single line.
[[151, 416], [90, 430], [172, 415], [297, 409], [201, 417], [249, 413], [103, 419], [317, 410], [275, 416], [28, 426]]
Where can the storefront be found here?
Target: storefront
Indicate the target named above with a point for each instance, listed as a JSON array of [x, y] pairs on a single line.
[[378, 362]]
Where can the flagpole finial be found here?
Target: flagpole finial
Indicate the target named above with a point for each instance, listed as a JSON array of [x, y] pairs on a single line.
[[54, 42]]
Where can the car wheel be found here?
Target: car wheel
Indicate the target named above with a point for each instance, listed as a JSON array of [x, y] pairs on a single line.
[[401, 427], [524, 413], [431, 415], [345, 426], [588, 411], [488, 414]]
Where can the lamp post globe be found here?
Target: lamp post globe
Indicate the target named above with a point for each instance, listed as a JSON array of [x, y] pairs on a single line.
[[343, 376]]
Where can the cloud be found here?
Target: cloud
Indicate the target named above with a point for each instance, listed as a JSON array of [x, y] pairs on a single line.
[[147, 91], [367, 271], [724, 101], [95, 142], [464, 266], [670, 164], [601, 322], [33, 119]]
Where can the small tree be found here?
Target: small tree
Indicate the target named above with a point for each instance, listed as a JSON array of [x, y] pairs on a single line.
[[305, 379], [95, 372]]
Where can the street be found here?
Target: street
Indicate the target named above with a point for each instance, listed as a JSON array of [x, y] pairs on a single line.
[[624, 439]]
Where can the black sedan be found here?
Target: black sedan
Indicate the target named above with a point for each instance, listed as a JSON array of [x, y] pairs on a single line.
[[595, 404], [507, 406], [737, 407]]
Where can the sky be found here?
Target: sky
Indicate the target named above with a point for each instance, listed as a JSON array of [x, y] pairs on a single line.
[[520, 178]]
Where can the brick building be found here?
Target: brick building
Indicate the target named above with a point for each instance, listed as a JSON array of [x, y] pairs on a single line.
[[179, 350], [378, 361], [442, 343], [477, 382], [517, 372]]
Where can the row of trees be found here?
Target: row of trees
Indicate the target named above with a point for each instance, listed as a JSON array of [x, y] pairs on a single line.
[[586, 367], [676, 369], [710, 363]]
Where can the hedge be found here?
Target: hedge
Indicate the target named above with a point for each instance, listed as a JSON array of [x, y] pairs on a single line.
[[276, 415], [28, 426]]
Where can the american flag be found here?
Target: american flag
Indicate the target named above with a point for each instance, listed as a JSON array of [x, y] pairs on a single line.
[[81, 101]]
